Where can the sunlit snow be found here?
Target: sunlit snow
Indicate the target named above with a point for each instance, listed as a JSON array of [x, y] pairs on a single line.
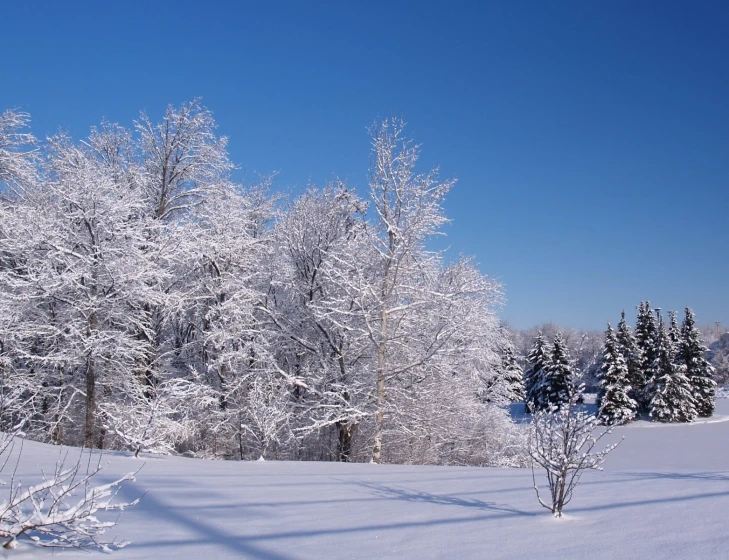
[[664, 494]]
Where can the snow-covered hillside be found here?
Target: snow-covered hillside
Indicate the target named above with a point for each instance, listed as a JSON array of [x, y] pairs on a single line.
[[664, 494]]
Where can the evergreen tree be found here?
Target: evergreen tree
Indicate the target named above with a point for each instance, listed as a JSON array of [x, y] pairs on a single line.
[[511, 375], [645, 335], [558, 375], [616, 405], [632, 357], [670, 387], [692, 355], [674, 332], [538, 359]]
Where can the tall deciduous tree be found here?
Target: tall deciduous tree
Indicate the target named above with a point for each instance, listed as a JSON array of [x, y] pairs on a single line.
[[407, 300], [313, 307]]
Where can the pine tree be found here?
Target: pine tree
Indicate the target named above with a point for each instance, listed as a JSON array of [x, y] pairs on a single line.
[[538, 359], [645, 335], [558, 375], [511, 375], [632, 357], [692, 355], [671, 389], [674, 332], [616, 405]]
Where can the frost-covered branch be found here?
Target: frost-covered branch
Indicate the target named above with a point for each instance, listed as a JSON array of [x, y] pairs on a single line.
[[561, 441], [61, 511]]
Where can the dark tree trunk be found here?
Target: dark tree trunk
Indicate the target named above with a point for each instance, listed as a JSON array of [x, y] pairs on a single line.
[[344, 444]]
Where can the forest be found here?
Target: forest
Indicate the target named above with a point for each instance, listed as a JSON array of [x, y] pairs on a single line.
[[150, 303]]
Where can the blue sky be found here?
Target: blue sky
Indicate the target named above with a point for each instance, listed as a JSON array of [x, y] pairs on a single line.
[[590, 140]]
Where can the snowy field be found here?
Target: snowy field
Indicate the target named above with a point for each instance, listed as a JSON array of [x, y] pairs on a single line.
[[664, 494]]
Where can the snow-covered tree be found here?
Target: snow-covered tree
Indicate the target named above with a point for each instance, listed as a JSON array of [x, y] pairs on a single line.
[[157, 419], [538, 360], [672, 399], [559, 378], [405, 282], [184, 161], [311, 304], [631, 355], [692, 355], [79, 273], [645, 335], [616, 405], [510, 375], [267, 416], [17, 152], [674, 331]]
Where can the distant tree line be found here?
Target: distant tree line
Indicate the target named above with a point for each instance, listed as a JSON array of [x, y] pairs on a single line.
[[660, 370]]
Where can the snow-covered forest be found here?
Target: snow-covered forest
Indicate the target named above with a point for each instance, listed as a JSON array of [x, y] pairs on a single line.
[[150, 303], [661, 371]]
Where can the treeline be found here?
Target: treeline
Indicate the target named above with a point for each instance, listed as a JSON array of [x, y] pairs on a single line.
[[658, 370], [150, 303]]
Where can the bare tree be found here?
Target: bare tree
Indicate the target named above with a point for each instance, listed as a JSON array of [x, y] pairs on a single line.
[[322, 339], [157, 419], [561, 441], [184, 161], [17, 151], [60, 511], [267, 415], [405, 288]]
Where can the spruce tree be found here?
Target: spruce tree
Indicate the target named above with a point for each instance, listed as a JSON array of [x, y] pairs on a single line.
[[632, 356], [674, 332], [558, 375], [645, 336], [692, 354], [511, 375], [616, 405], [671, 400], [538, 359]]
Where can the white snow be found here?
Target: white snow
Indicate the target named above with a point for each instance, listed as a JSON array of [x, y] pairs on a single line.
[[664, 494]]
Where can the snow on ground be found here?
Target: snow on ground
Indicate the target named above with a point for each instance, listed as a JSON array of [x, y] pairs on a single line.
[[664, 494]]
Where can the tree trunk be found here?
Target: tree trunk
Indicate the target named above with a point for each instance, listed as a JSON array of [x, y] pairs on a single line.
[[380, 392], [240, 434], [344, 444], [90, 402]]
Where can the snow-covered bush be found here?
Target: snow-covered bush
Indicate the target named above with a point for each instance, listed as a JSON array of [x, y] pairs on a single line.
[[561, 441], [157, 419]]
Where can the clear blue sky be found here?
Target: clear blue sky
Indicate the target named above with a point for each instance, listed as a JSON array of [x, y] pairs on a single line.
[[590, 139]]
